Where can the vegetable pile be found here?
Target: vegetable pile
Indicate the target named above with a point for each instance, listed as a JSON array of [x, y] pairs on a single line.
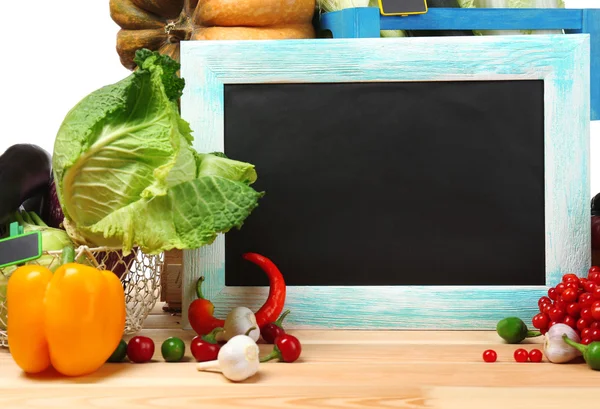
[[568, 318], [124, 151]]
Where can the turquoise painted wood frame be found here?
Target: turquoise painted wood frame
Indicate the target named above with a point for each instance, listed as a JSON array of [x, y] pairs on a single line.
[[562, 62], [367, 22]]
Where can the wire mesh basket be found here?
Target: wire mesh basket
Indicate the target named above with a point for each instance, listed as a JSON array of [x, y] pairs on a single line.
[[139, 273]]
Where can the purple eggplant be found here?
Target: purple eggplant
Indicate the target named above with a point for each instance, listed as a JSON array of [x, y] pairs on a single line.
[[25, 173]]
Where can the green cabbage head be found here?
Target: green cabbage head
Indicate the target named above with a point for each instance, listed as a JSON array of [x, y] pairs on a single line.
[[127, 175]]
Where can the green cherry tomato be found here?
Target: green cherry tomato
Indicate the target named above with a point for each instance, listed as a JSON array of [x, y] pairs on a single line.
[[513, 330], [172, 349], [120, 352]]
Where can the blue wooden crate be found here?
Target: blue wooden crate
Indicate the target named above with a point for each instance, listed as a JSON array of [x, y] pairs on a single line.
[[367, 22]]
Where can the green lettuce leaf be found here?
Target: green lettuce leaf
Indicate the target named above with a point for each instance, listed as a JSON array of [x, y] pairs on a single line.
[[127, 174]]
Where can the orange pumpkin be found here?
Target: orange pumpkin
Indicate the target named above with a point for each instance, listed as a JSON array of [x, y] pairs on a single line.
[[162, 24], [153, 24]]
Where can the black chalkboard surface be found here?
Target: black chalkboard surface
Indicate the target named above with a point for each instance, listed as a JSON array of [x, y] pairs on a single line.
[[419, 183]]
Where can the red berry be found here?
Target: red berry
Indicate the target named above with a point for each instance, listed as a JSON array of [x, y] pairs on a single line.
[[540, 321], [589, 286], [582, 324], [569, 295], [586, 314], [567, 278], [547, 308], [552, 323], [594, 268], [572, 284], [595, 325], [489, 355], [560, 287], [552, 294], [535, 355], [586, 333], [570, 321], [521, 355], [595, 310], [594, 276], [573, 309], [544, 330], [595, 335], [556, 314], [586, 341], [543, 301], [586, 299]]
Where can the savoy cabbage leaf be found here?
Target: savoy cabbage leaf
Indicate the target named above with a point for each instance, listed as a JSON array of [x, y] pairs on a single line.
[[127, 174]]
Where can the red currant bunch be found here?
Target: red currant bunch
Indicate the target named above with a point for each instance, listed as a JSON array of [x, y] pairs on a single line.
[[575, 301]]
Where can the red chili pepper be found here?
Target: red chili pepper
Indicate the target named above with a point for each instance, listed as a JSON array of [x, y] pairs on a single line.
[[277, 290], [287, 349], [200, 313], [201, 310]]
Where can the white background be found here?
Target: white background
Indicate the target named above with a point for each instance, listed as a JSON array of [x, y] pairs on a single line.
[[56, 52]]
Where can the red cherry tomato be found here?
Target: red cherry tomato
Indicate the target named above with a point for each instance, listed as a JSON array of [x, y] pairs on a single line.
[[573, 309], [595, 310], [586, 314], [586, 341], [535, 355], [582, 324], [203, 350], [540, 321], [567, 278], [569, 295], [570, 321], [556, 314], [543, 301], [521, 355], [140, 349], [589, 286], [586, 299], [489, 355]]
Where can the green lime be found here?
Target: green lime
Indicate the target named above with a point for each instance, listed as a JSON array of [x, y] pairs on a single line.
[[172, 349], [120, 352]]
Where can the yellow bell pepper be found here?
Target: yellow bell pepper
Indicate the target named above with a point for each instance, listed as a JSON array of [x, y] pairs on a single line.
[[72, 319]]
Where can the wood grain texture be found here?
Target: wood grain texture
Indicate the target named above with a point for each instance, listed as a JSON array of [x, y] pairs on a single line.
[[337, 369], [562, 61]]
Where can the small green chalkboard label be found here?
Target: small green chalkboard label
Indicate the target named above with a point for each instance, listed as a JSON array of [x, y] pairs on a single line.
[[402, 7], [20, 249]]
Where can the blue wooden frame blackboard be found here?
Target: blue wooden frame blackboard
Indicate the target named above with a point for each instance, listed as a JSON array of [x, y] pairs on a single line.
[[367, 22], [561, 61]]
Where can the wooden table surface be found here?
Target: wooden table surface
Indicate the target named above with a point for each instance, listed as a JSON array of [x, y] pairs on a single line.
[[337, 369]]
